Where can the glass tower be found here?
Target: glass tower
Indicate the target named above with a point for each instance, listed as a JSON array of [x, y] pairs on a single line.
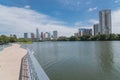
[[37, 33], [105, 21]]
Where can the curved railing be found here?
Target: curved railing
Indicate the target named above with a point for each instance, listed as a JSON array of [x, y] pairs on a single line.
[[5, 46], [35, 70], [1, 47]]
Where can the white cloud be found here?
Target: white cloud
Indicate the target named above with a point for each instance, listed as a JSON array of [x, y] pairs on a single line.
[[19, 20], [27, 6], [116, 21], [117, 1], [92, 9]]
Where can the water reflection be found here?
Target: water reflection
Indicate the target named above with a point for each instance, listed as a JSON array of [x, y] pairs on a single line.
[[106, 57]]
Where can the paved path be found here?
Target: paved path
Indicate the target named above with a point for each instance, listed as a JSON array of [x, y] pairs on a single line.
[[10, 62]]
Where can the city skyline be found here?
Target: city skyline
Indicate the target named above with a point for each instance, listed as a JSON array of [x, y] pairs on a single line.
[[18, 17], [42, 35]]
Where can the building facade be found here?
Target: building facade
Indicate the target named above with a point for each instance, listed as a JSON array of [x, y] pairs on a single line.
[[37, 34], [83, 32], [105, 22], [42, 36], [47, 36], [55, 35], [25, 35], [96, 29], [32, 36]]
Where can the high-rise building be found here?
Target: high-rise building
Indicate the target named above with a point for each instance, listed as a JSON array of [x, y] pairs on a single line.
[[47, 36], [55, 35], [80, 32], [37, 34], [42, 36], [96, 29], [32, 36], [83, 32], [25, 35], [105, 21]]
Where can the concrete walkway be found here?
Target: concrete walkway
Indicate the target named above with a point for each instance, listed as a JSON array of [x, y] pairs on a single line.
[[10, 62]]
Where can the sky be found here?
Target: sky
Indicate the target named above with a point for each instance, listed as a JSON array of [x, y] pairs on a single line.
[[65, 16]]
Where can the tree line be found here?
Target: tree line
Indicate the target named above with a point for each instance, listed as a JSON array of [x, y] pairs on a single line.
[[5, 39], [101, 37]]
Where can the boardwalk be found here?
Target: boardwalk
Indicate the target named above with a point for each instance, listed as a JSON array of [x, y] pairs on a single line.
[[10, 62]]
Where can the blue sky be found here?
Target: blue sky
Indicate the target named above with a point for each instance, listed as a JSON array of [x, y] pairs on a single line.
[[71, 14]]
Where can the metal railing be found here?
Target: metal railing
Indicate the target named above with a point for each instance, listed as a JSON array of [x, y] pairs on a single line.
[[35, 70], [5, 46], [1, 47]]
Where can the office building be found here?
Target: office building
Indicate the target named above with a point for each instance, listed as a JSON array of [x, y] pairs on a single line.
[[47, 36], [105, 22], [25, 35], [37, 34], [55, 35], [42, 36], [32, 36], [96, 29], [83, 32]]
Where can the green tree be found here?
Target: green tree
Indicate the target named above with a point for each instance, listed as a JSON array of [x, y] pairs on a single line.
[[63, 39], [12, 39], [4, 39], [74, 38], [85, 38]]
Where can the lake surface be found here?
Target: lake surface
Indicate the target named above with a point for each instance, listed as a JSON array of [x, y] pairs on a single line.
[[79, 60]]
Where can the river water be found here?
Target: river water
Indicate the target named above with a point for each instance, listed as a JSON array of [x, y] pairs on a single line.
[[92, 60]]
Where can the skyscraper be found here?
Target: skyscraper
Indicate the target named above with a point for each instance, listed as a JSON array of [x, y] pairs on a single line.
[[32, 35], [105, 21], [47, 36], [42, 36], [55, 35], [96, 29], [37, 34], [25, 35]]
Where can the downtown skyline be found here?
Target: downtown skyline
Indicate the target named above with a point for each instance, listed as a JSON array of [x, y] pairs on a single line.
[[25, 16], [42, 35]]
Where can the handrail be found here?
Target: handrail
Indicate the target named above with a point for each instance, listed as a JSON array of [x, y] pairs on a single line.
[[35, 69], [4, 46]]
